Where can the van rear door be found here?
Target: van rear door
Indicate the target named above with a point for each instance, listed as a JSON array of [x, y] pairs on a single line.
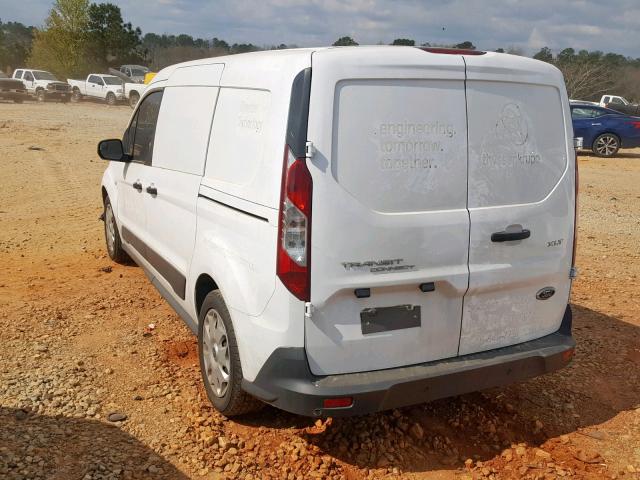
[[521, 201], [389, 208]]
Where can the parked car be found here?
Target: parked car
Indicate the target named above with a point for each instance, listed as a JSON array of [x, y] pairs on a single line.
[[106, 87], [620, 104], [135, 72], [603, 130], [338, 255], [43, 85], [12, 89]]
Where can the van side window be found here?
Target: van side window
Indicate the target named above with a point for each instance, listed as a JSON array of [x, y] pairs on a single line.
[[18, 74], [127, 138], [145, 129], [28, 77]]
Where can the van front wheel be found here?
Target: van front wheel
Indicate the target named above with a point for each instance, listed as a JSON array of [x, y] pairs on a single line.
[[112, 236], [219, 359]]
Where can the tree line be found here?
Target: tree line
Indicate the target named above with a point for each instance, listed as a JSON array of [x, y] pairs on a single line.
[[79, 37]]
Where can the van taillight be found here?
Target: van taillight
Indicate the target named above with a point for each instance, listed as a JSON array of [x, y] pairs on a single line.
[[294, 227]]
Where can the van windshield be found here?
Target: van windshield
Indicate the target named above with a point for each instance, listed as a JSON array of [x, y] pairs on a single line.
[[44, 75], [137, 72]]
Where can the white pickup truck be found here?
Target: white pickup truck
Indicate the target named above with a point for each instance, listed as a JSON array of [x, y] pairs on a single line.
[[620, 104], [43, 85], [132, 90], [107, 87]]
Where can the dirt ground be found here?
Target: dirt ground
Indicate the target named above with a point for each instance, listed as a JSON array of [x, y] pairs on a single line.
[[75, 348]]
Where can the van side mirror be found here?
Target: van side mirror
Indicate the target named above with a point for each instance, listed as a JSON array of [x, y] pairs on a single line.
[[113, 150]]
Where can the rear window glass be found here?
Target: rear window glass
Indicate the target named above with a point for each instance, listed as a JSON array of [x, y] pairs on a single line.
[[400, 145], [517, 142]]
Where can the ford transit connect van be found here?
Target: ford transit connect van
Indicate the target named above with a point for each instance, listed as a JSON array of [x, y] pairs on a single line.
[[353, 229]]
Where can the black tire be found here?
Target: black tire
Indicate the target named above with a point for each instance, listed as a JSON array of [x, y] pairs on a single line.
[[134, 97], [75, 96], [233, 401], [111, 99], [112, 236], [41, 95], [606, 145]]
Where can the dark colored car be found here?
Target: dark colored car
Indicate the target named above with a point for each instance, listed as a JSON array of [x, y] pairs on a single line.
[[603, 130], [11, 89]]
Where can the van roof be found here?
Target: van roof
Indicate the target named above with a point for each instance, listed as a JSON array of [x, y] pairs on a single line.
[[261, 61]]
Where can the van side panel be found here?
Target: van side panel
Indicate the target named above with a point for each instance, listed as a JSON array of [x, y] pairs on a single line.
[[237, 205]]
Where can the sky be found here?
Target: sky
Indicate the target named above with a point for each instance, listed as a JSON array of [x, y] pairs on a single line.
[[611, 25]]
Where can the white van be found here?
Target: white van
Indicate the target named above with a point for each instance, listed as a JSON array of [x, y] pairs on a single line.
[[354, 229]]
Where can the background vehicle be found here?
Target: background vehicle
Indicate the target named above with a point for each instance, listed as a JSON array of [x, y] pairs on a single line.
[[132, 90], [620, 104], [107, 87], [135, 72], [603, 130], [12, 89], [43, 85], [338, 255]]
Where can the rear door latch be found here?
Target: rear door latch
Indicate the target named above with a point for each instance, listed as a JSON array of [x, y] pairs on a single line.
[[309, 150], [308, 309]]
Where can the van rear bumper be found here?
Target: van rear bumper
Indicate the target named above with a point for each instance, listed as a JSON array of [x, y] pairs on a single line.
[[286, 381]]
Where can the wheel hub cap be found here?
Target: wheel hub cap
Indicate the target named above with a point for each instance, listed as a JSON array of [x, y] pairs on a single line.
[[606, 145], [110, 229], [215, 346]]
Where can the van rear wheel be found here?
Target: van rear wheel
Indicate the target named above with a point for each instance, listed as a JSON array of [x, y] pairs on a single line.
[[220, 360]]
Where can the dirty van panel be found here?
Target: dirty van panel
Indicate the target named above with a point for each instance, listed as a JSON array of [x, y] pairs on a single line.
[[389, 209], [517, 148], [521, 204], [408, 136]]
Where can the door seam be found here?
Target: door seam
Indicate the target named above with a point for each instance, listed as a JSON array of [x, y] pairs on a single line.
[[464, 296]]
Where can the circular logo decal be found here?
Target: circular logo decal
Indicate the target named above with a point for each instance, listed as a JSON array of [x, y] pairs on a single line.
[[511, 125], [545, 293]]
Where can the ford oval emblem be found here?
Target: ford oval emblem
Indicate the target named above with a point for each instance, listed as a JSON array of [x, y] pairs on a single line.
[[545, 293]]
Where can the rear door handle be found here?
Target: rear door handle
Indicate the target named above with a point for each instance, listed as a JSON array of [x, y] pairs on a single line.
[[596, 124], [505, 236], [137, 185], [152, 190]]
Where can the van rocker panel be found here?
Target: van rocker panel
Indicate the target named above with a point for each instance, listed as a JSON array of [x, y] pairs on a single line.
[[286, 382]]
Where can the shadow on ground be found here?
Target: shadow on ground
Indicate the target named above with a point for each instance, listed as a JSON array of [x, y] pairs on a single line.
[[594, 388], [61, 448], [621, 154]]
